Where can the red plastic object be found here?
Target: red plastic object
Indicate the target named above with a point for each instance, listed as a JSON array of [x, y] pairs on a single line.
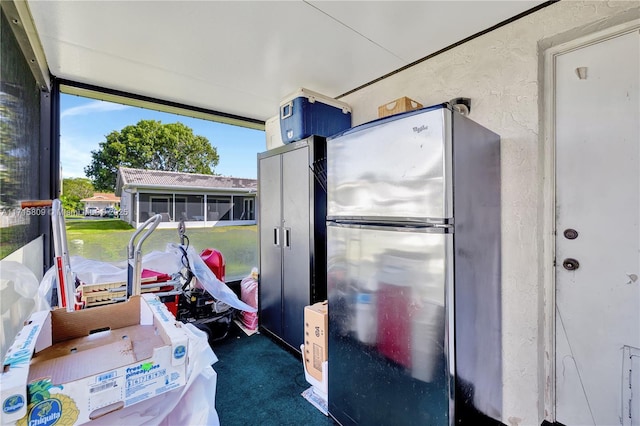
[[62, 294], [150, 276], [171, 302], [215, 261], [394, 323]]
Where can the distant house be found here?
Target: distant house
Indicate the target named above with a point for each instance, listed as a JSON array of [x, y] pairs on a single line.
[[199, 200], [99, 202]]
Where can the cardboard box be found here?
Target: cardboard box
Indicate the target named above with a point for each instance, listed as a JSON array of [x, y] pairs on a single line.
[[316, 323], [305, 113], [403, 104], [72, 367]]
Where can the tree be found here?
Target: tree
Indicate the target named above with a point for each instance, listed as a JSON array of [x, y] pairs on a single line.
[[151, 145], [74, 190]]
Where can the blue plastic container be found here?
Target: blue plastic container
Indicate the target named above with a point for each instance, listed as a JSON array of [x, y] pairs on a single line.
[[305, 113]]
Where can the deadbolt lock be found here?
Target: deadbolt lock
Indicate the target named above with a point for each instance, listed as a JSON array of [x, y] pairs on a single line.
[[570, 264], [570, 234]]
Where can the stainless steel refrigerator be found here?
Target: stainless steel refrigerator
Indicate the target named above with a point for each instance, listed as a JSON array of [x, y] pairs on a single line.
[[413, 271]]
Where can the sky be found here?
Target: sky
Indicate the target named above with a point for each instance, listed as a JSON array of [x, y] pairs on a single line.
[[84, 123]]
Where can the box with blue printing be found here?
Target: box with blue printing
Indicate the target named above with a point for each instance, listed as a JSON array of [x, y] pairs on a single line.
[[73, 367]]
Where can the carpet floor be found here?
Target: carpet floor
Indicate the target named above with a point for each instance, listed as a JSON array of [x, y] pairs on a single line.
[[260, 383]]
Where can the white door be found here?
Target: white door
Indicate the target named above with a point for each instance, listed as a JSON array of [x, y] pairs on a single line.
[[597, 233]]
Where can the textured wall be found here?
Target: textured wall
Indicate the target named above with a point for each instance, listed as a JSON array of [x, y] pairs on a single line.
[[500, 72]]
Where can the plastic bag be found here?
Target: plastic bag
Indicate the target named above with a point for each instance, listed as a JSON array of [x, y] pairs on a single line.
[[96, 272], [211, 284], [19, 299], [45, 290], [249, 295]]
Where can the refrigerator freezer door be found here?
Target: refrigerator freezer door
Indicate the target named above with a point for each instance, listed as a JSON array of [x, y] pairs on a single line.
[[387, 324], [395, 170]]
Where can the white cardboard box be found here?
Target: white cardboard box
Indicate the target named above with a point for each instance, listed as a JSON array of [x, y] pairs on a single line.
[[72, 367]]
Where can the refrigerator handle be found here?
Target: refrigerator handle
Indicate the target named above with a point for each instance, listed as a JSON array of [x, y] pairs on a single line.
[[276, 236], [287, 237]]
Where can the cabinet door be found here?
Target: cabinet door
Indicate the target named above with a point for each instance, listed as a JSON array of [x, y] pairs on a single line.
[[296, 240], [270, 244]]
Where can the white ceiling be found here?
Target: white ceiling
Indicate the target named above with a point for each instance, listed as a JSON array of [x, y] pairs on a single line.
[[244, 57]]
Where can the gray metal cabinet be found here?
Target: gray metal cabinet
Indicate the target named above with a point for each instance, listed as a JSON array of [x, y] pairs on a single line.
[[292, 233]]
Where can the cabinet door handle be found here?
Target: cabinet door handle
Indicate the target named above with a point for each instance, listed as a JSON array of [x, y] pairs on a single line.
[[287, 237], [276, 236]]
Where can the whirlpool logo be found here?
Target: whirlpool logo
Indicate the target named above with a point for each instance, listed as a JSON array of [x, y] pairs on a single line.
[[13, 404], [420, 129]]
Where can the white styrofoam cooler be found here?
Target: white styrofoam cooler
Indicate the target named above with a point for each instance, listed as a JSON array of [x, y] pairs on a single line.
[[272, 132], [305, 113]]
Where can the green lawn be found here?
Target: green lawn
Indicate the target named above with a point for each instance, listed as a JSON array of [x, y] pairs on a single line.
[[12, 238], [107, 240]]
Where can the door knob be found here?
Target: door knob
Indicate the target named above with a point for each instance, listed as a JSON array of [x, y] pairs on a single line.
[[570, 264]]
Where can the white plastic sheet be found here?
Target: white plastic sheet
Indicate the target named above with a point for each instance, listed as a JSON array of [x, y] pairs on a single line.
[[91, 271], [211, 283], [18, 299], [168, 262], [95, 272]]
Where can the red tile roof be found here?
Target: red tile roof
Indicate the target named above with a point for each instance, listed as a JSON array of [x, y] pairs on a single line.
[[103, 196]]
